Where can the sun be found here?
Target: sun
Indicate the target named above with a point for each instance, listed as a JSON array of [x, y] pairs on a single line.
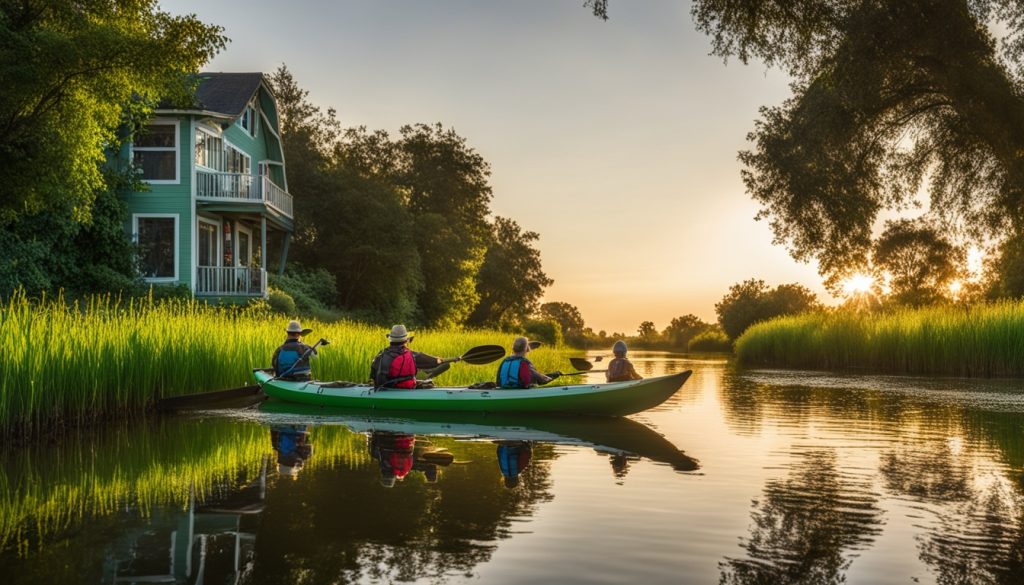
[[857, 284]]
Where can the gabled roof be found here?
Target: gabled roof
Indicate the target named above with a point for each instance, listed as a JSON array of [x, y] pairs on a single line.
[[227, 93]]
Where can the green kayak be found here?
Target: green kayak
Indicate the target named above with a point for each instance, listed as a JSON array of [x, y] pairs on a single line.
[[611, 399]]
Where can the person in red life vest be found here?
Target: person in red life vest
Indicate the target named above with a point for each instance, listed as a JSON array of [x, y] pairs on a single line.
[[291, 359], [516, 371], [394, 452], [620, 369], [395, 366]]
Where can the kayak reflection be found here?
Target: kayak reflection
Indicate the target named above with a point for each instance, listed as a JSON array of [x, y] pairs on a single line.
[[621, 438]]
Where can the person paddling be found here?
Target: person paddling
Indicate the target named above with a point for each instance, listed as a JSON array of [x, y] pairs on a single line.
[[620, 369], [291, 359], [395, 366], [516, 371]]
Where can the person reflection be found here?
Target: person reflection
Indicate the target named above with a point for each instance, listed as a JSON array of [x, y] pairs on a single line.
[[394, 452], [513, 458], [291, 443]]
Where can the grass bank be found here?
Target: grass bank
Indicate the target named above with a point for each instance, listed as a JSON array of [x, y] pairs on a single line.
[[980, 341], [71, 364]]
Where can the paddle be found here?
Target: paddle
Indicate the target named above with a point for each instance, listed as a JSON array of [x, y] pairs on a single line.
[[210, 399], [479, 355]]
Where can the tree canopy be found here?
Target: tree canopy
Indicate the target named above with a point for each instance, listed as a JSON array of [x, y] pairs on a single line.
[[888, 98], [752, 301], [920, 262], [74, 74]]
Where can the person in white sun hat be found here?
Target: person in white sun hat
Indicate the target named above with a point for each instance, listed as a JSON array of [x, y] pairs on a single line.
[[396, 365], [291, 360]]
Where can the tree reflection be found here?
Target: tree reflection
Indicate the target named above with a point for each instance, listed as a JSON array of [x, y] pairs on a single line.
[[805, 524]]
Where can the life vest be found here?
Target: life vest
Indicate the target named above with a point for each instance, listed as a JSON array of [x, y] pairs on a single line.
[[510, 372], [289, 355], [618, 370], [512, 459], [396, 370]]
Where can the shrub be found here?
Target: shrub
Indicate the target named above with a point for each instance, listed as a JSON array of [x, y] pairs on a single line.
[[281, 302], [711, 340], [547, 331]]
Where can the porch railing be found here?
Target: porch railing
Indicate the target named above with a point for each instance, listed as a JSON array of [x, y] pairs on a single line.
[[231, 280], [218, 186]]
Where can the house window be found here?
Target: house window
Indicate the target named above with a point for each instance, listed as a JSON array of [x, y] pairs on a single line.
[[206, 251], [209, 151], [157, 237], [155, 152], [248, 120]]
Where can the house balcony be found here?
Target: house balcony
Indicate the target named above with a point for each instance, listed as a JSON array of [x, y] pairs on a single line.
[[242, 188], [240, 281]]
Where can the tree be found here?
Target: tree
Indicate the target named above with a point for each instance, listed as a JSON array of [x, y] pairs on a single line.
[[647, 332], [920, 262], [681, 329], [752, 301], [446, 183], [887, 97], [511, 280], [1005, 270], [567, 316], [351, 219], [73, 74]]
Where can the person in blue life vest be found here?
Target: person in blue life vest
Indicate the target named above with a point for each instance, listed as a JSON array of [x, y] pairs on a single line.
[[292, 446], [516, 371], [396, 365], [620, 369], [513, 458], [291, 359]]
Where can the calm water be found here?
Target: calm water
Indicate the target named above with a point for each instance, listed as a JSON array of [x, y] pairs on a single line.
[[743, 477]]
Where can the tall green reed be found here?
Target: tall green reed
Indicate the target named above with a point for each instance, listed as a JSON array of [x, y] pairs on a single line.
[[980, 341], [67, 364]]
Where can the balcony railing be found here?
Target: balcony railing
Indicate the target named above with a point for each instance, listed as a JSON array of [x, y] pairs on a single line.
[[231, 280], [218, 186]]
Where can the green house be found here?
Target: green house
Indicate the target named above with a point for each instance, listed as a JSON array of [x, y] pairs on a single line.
[[217, 213]]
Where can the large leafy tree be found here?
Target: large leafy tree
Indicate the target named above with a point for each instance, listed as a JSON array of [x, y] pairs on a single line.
[[920, 262], [888, 98], [446, 183], [682, 329], [72, 74], [567, 316], [752, 301], [511, 280], [351, 219]]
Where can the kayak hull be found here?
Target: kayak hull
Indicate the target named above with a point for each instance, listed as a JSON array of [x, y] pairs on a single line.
[[611, 399]]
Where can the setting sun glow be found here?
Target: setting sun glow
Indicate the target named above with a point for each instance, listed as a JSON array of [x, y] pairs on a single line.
[[857, 284]]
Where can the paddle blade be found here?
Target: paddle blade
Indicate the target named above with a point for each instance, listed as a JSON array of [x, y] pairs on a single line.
[[581, 364], [535, 344], [483, 354]]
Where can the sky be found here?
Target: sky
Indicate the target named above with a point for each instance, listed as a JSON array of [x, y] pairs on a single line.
[[615, 140]]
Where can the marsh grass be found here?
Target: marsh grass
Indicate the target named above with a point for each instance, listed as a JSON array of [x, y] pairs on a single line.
[[980, 341], [68, 364]]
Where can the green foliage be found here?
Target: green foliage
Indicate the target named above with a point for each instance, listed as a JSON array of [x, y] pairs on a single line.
[[752, 301], [102, 357], [567, 316], [312, 293], [70, 71], [1005, 270], [401, 223], [710, 340], [885, 96], [921, 262], [49, 250], [281, 302], [682, 329], [979, 341], [647, 332], [545, 330], [511, 280]]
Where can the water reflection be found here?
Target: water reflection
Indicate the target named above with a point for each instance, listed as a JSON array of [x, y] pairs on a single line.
[[291, 444], [807, 525]]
